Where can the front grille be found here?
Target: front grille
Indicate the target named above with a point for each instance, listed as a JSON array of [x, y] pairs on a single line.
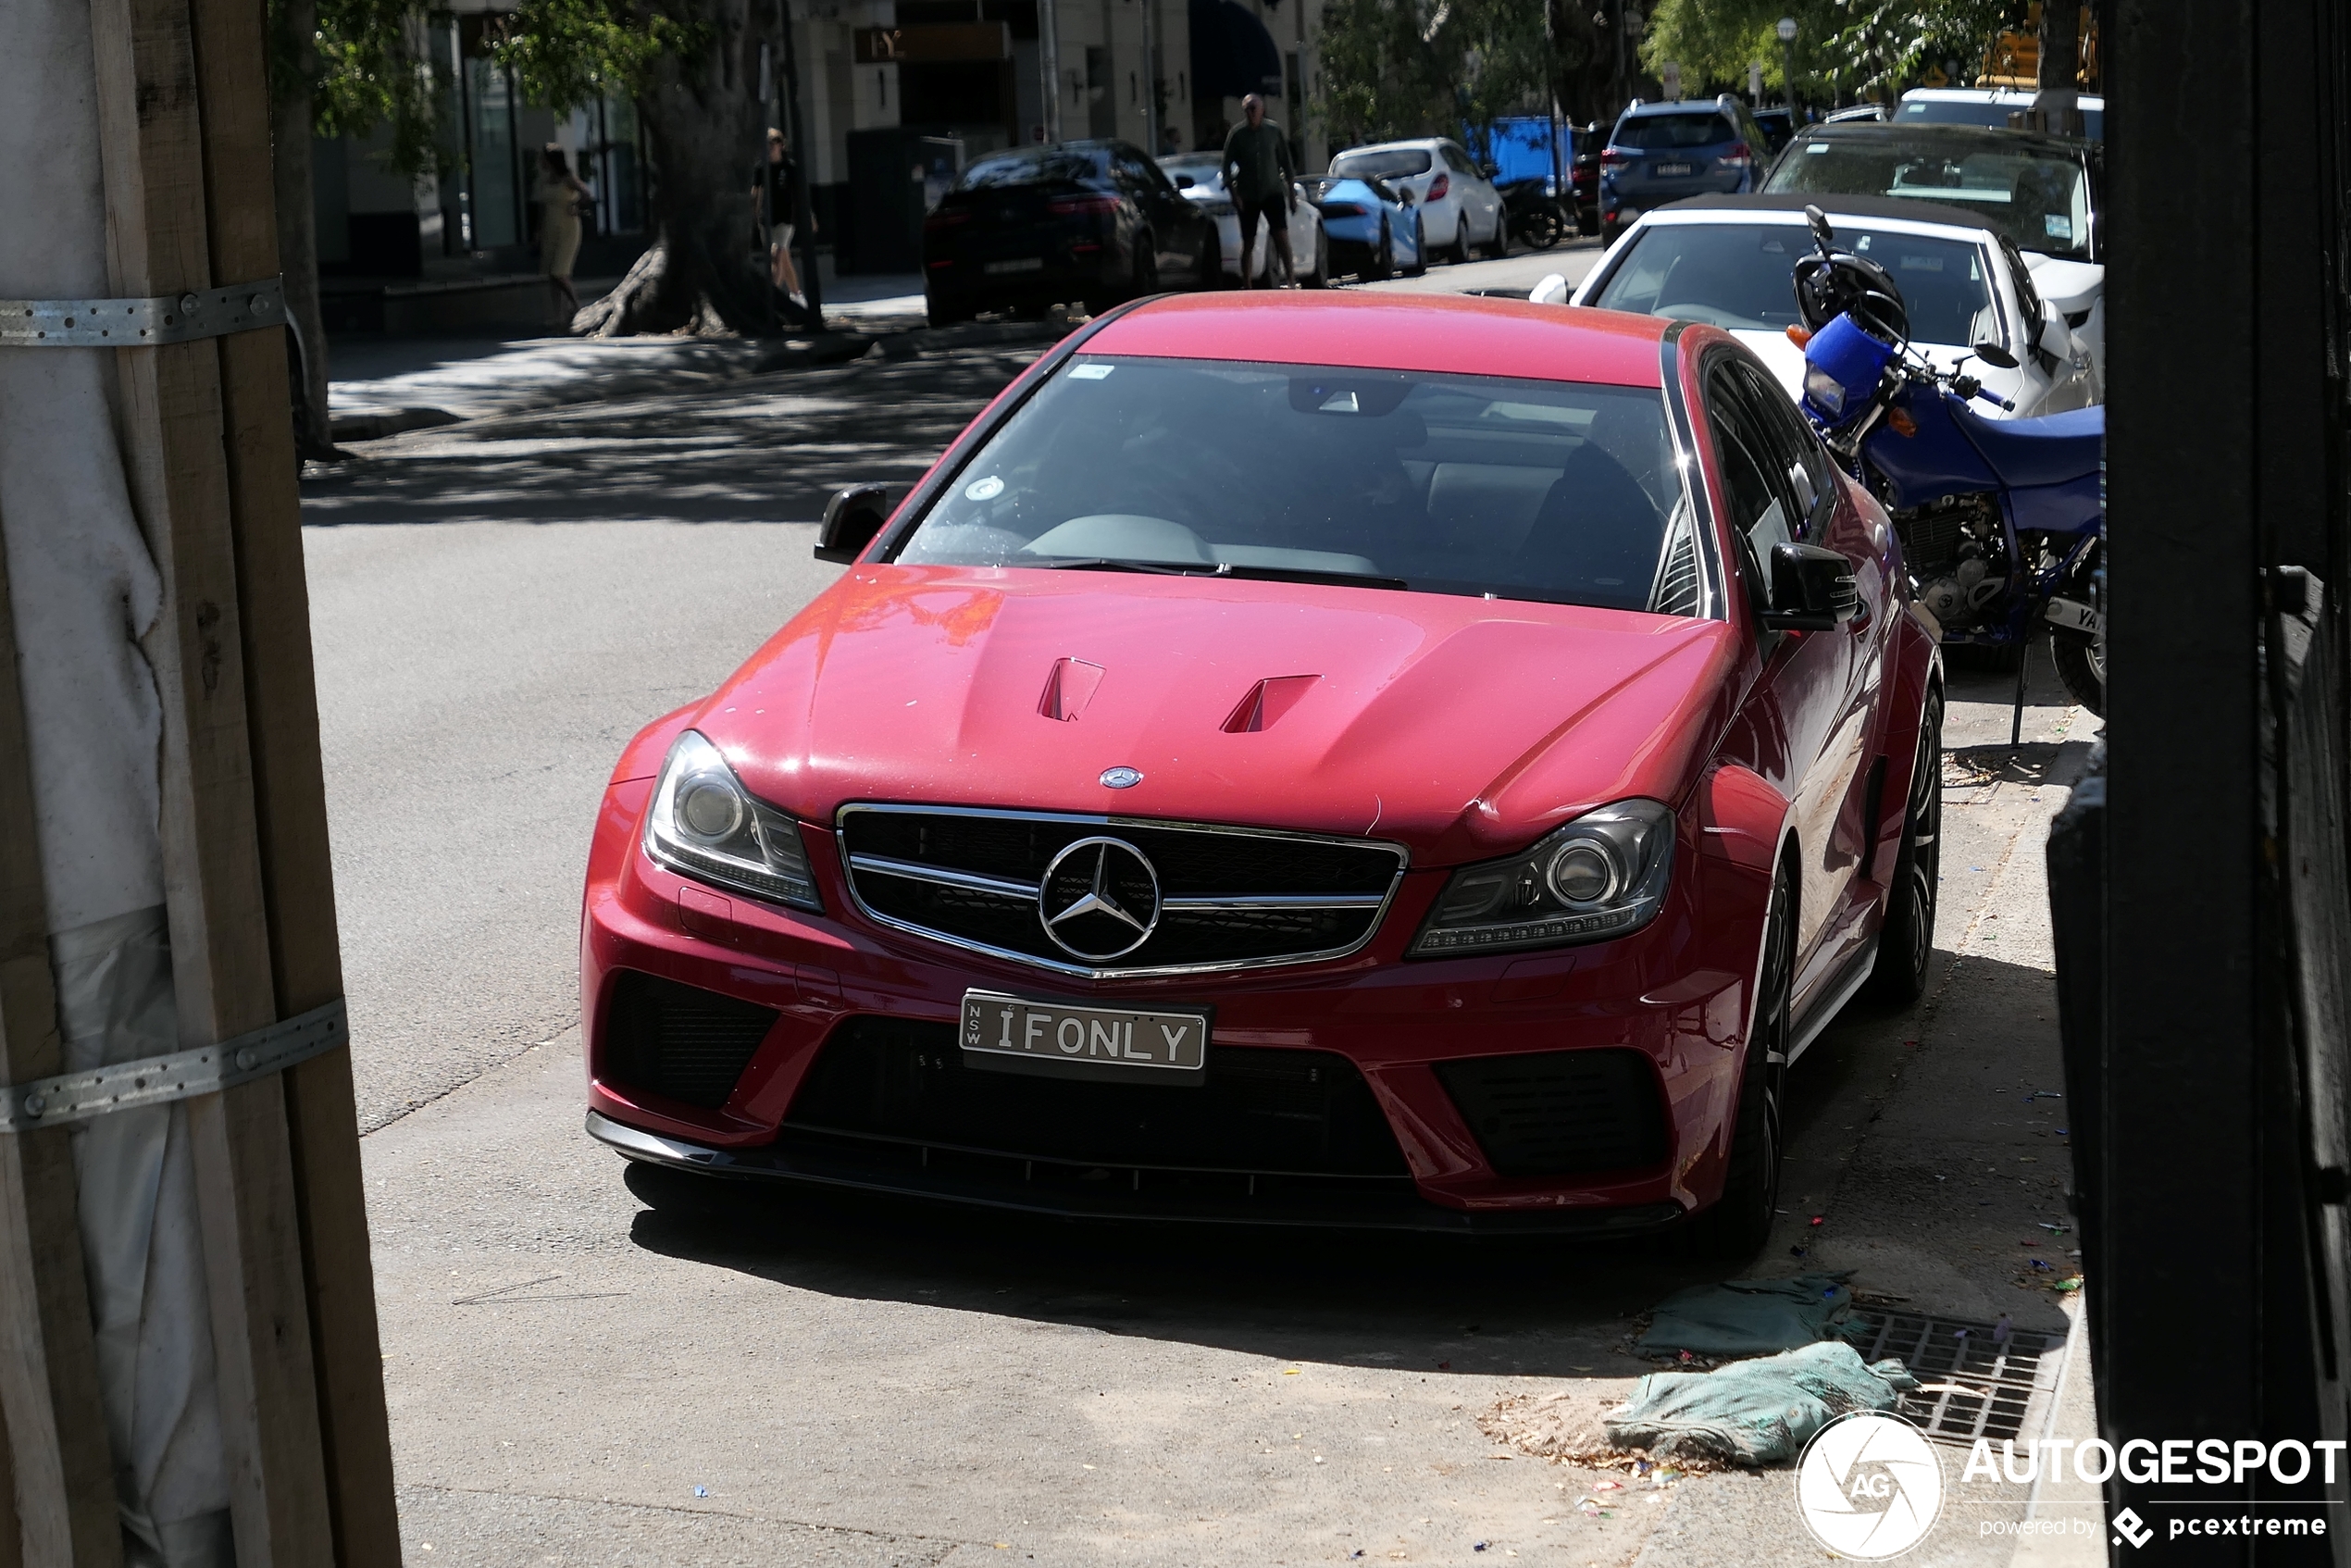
[[680, 1041], [1223, 898], [1274, 1112], [1561, 1113]]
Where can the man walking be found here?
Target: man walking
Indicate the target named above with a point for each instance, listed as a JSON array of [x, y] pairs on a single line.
[[1258, 175]]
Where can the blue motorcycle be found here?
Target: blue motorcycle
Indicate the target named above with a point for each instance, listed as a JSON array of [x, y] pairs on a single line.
[[2001, 520]]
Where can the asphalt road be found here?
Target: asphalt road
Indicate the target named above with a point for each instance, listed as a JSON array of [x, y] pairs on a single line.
[[586, 1364]]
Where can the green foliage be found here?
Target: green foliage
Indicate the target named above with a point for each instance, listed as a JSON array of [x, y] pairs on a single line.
[[1423, 68], [365, 69], [567, 53], [1845, 48]]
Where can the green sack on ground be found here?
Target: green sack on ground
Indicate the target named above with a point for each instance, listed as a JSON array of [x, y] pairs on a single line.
[[1750, 1317], [1754, 1413]]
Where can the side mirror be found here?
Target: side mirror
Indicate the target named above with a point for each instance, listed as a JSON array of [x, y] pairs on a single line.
[[1994, 356], [1183, 182], [1824, 237], [1491, 171], [853, 518], [1812, 589]]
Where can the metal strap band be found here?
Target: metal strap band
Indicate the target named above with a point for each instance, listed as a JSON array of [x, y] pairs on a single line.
[[135, 323], [158, 1080]]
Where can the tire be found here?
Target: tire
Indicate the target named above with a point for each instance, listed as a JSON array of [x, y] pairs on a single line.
[[946, 312], [1611, 232], [1539, 230], [1738, 1225], [1321, 277], [1146, 266], [1382, 265], [1207, 267], [1459, 252], [1499, 250], [1906, 942], [2081, 664]]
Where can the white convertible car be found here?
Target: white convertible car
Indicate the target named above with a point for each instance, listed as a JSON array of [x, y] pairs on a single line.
[[1200, 178], [1729, 261]]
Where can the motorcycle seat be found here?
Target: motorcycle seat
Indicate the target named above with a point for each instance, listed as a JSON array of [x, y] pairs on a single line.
[[2049, 450]]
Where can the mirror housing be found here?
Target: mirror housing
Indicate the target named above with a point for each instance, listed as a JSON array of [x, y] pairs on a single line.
[[1812, 589], [854, 518], [1491, 171], [1992, 354]]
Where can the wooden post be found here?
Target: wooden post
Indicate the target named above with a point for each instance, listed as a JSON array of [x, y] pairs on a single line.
[[61, 1499]]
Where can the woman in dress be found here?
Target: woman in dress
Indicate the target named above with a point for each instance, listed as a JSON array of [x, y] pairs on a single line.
[[561, 195]]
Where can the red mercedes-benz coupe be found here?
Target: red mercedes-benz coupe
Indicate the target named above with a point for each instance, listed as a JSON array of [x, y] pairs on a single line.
[[1390, 761]]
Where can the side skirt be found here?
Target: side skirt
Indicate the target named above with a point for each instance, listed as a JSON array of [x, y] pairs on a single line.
[[1817, 1017]]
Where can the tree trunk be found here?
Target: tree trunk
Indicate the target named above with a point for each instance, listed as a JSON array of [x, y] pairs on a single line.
[[298, 233], [707, 131]]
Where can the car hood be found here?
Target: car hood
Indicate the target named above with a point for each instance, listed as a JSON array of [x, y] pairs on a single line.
[[1462, 728], [1785, 361]]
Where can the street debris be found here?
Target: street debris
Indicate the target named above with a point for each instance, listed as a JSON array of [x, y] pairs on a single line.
[[1748, 1317], [1552, 1427], [1753, 1412]]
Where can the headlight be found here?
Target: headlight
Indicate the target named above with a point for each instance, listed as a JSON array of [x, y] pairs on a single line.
[[1823, 389], [1602, 876], [705, 824]]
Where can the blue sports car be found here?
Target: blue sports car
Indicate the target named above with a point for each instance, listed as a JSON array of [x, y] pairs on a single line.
[[1373, 227]]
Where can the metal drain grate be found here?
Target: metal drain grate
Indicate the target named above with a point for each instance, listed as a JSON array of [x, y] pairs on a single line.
[[1972, 1387]]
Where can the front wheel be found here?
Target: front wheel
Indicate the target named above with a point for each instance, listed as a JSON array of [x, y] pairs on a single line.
[[2081, 664], [1738, 1225], [1906, 942], [1539, 230], [1382, 265], [1320, 277]]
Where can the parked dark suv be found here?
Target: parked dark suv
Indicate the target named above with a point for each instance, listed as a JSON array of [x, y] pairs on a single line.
[[1096, 221], [1661, 153]]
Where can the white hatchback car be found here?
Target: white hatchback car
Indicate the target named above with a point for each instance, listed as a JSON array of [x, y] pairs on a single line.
[[1200, 178], [1987, 106], [1730, 261], [1460, 207]]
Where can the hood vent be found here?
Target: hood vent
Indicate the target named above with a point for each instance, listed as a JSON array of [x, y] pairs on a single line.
[[1267, 701], [1068, 688]]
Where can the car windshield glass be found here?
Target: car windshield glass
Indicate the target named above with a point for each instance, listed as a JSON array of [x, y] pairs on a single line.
[[1741, 275], [1028, 168], [1665, 132], [1388, 163], [2040, 201], [1980, 111], [1559, 492]]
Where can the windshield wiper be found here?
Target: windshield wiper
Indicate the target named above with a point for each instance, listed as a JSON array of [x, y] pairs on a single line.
[[1106, 564], [1221, 568], [1307, 574]]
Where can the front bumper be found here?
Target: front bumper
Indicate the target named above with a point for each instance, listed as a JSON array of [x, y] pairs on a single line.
[[1673, 998]]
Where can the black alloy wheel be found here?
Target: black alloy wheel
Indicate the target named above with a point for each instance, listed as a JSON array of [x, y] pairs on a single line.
[[1539, 229], [1382, 265], [1738, 1225], [1906, 942]]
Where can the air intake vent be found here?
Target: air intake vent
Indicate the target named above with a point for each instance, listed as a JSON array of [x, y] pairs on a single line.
[[678, 1040], [1677, 591], [1561, 1113]]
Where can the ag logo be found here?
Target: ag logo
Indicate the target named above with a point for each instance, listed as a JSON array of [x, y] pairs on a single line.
[[1869, 1486]]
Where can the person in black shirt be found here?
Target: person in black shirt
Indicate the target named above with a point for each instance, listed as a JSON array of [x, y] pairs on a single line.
[[774, 194]]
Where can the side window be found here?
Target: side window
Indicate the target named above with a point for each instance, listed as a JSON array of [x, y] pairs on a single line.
[[1761, 501], [1796, 451], [1132, 173], [2028, 297], [1455, 159]]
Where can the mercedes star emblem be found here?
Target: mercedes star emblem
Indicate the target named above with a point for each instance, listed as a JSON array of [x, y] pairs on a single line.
[[1121, 777], [1099, 900]]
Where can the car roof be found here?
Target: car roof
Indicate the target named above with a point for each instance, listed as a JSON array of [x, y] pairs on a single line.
[[1992, 95], [1418, 144], [1989, 138], [1793, 204], [1673, 107], [1443, 334]]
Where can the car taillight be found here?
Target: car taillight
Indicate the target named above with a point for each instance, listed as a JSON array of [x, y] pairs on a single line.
[[1611, 158], [946, 217], [1738, 158], [1073, 206], [1437, 188]]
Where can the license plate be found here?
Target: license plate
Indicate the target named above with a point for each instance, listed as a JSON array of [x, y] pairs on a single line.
[[1012, 1034], [1027, 264], [1672, 168]]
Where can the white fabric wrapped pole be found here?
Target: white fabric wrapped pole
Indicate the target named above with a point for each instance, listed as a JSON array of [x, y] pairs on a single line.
[[82, 592]]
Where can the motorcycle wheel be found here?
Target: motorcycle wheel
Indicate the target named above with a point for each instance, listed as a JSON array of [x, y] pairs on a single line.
[[2081, 664], [1906, 942], [1739, 1224]]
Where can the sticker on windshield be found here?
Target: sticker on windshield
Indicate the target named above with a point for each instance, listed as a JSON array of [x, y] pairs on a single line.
[[1091, 372], [2058, 226], [1813, 147], [988, 489]]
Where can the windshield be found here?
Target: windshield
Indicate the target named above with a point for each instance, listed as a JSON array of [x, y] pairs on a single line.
[[1660, 132], [1382, 163], [1029, 169], [2041, 201], [1550, 491], [1741, 275], [1980, 111]]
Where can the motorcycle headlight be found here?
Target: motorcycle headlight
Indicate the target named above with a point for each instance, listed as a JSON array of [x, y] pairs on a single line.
[[705, 824], [1823, 389], [1604, 875]]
